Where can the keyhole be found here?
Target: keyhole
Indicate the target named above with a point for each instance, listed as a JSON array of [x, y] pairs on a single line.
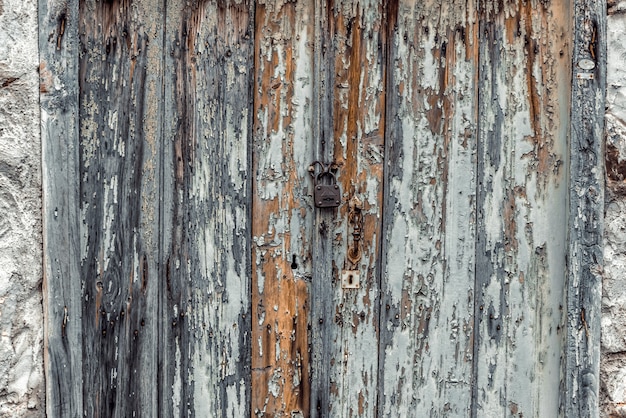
[[294, 264], [350, 277]]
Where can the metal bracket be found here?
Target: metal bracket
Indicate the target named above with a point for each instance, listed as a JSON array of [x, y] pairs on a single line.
[[584, 76]]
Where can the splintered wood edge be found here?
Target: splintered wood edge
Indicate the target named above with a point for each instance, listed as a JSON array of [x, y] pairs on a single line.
[[586, 211]]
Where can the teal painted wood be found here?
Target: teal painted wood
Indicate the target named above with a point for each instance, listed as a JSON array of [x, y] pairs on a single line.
[[524, 87], [206, 213], [59, 48], [427, 283]]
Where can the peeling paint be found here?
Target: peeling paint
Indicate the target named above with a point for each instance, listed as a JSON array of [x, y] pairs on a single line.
[[198, 248], [429, 251], [282, 204]]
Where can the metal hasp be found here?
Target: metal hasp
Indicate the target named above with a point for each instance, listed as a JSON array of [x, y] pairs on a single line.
[[326, 193], [356, 221], [350, 279]]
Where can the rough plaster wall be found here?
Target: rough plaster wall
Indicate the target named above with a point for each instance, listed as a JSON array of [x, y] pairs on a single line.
[[613, 363], [21, 315]]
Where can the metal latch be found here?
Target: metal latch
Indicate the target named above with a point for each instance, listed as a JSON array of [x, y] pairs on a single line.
[[350, 279]]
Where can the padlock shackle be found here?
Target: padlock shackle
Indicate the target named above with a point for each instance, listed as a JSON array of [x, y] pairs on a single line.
[[325, 173], [321, 164]]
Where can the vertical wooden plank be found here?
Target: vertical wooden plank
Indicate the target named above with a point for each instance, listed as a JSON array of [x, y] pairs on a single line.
[[282, 207], [323, 284], [586, 206], [427, 307], [524, 91], [119, 180], [206, 209], [59, 49], [358, 40]]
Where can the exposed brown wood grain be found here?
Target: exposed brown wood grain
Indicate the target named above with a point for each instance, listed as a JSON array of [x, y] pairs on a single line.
[[282, 208], [359, 47]]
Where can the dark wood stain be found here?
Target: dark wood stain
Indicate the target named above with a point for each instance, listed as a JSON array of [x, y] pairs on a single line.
[[586, 206], [114, 188], [206, 341]]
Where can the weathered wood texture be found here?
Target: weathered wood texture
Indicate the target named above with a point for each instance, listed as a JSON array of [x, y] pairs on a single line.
[[59, 49], [430, 205], [206, 210], [118, 178], [189, 273], [523, 91], [349, 132], [147, 208], [282, 207], [322, 370], [586, 210], [359, 45]]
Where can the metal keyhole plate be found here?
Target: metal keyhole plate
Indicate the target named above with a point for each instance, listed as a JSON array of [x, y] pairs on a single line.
[[350, 279]]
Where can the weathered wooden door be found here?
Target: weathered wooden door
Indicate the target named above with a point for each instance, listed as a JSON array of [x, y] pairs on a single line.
[[189, 271]]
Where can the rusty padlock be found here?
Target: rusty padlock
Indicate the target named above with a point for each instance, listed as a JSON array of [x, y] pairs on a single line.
[[326, 195]]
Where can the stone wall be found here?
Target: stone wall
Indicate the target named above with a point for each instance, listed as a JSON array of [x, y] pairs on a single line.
[[21, 315], [613, 363]]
